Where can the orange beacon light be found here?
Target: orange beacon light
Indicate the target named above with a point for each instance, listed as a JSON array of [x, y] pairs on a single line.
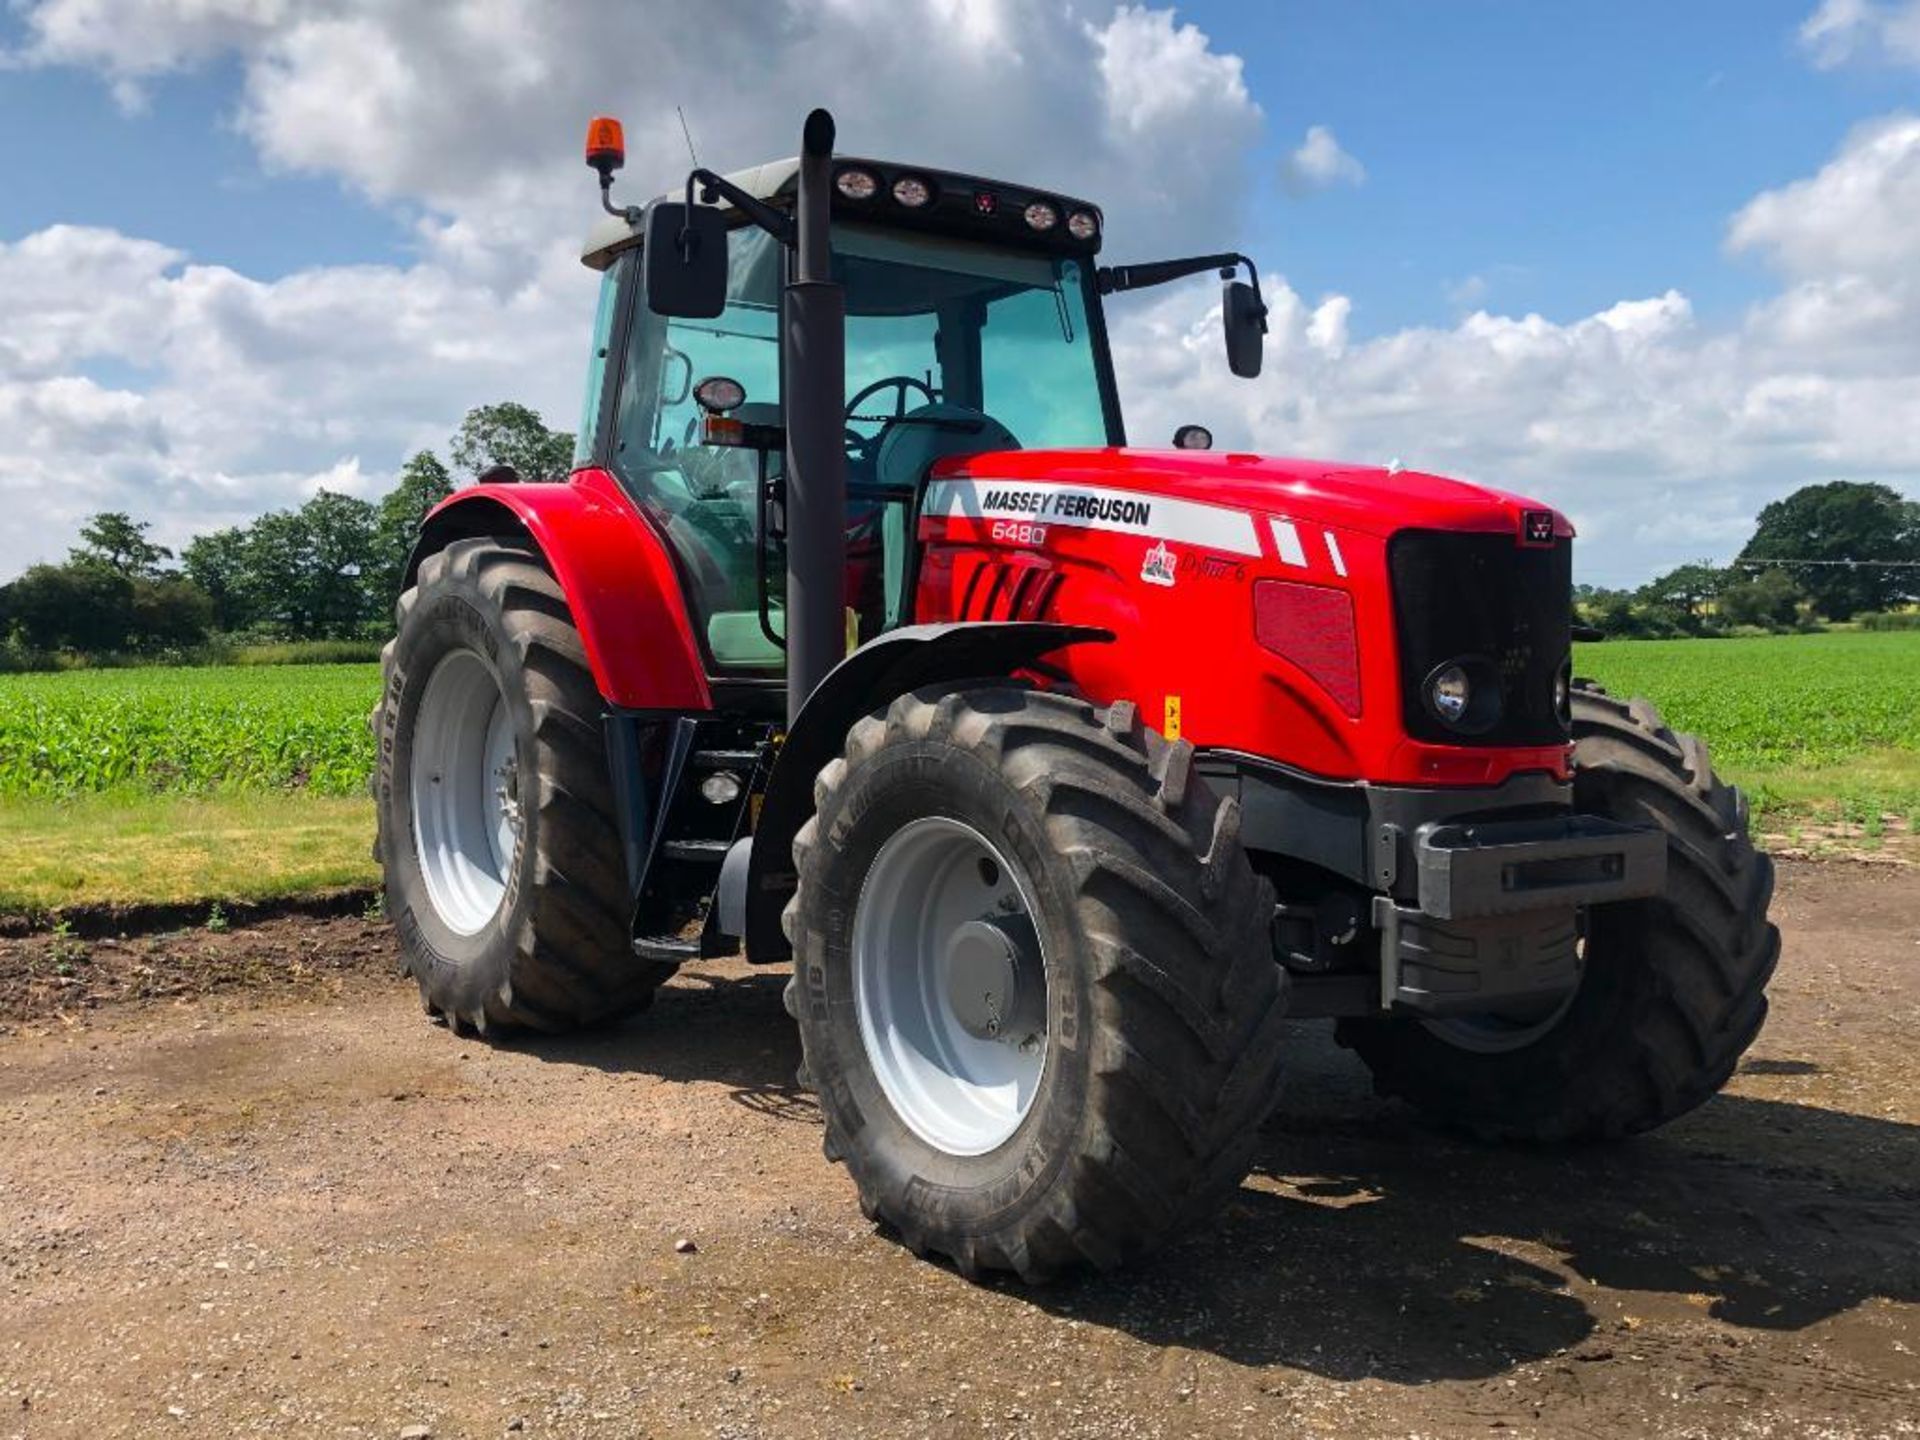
[[606, 145]]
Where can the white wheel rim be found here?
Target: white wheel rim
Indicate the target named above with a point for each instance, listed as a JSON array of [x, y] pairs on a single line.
[[954, 1025], [466, 815]]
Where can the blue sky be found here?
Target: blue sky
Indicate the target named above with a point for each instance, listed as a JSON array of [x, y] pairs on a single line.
[[1566, 155], [313, 234]]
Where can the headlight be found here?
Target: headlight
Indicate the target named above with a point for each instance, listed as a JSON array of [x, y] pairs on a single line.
[[857, 184], [911, 191], [1464, 694], [1042, 216], [1563, 692], [1450, 692]]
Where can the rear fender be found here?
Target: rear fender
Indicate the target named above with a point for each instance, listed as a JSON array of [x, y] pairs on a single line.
[[896, 662], [619, 579]]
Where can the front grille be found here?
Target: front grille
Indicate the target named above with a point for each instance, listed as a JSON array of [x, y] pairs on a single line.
[[1483, 596]]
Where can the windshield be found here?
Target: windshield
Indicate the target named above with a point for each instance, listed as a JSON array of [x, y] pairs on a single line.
[[1001, 333]]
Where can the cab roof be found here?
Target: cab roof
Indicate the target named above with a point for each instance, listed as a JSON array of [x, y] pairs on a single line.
[[965, 203]]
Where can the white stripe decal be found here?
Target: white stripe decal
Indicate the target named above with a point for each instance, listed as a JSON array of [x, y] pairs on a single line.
[[1086, 507], [1333, 554], [1288, 539]]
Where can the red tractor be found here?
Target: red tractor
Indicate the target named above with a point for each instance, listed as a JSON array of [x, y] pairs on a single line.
[[1063, 772]]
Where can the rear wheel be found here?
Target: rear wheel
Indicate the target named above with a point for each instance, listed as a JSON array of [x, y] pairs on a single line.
[[1672, 988], [502, 860], [1033, 979]]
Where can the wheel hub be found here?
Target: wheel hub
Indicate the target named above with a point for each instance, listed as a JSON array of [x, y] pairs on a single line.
[[996, 985]]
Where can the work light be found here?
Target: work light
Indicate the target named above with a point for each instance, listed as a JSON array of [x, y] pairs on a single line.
[[1083, 225], [1042, 216], [857, 184], [911, 191]]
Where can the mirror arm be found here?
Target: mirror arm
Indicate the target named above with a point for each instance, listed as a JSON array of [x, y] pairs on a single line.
[[717, 187], [1112, 278]]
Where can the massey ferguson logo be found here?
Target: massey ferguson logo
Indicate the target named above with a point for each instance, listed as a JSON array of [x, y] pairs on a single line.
[[1536, 527], [1158, 567]]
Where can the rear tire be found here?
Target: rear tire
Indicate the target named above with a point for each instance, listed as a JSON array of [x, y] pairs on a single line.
[[1673, 989], [523, 922], [1162, 1000]]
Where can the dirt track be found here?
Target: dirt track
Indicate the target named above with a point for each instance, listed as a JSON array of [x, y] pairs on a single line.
[[293, 1206]]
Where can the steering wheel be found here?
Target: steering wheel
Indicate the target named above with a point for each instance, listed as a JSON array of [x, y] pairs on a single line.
[[861, 448]]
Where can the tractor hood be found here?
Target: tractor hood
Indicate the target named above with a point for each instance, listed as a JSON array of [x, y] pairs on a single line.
[[1367, 498]]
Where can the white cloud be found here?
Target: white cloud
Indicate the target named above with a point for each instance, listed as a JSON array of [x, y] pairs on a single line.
[[1319, 164], [468, 116], [135, 377], [1856, 215], [1842, 32]]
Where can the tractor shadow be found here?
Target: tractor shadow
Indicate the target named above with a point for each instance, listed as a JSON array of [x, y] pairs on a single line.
[[1370, 1244], [719, 1022]]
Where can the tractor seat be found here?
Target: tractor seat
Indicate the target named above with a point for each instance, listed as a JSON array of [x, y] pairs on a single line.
[[736, 639]]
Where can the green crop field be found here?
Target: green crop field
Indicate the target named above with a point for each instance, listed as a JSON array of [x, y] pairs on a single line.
[[1818, 729], [249, 780], [187, 731], [1780, 699]]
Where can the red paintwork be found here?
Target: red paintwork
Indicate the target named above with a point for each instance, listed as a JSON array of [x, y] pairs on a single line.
[[1194, 643], [619, 580]]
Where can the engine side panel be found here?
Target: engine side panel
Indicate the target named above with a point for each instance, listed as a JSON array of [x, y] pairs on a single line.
[[1099, 538], [620, 581]]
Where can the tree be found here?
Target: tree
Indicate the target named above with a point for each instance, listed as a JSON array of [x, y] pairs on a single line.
[[510, 434], [118, 542], [1686, 592], [1770, 598], [217, 564], [341, 552], [424, 483], [1841, 523], [83, 605], [169, 613], [302, 570], [1623, 614]]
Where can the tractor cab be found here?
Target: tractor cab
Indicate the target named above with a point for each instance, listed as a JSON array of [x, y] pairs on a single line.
[[972, 324]]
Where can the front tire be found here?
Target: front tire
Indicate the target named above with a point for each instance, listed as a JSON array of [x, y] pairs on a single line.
[[502, 859], [1078, 861], [1673, 988]]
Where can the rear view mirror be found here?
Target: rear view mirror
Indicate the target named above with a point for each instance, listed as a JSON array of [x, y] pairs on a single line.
[[1245, 318], [686, 249]]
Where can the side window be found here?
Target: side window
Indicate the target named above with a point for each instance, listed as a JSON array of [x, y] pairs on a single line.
[[591, 407]]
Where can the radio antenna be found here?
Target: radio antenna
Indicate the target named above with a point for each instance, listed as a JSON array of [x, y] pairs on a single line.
[[691, 153]]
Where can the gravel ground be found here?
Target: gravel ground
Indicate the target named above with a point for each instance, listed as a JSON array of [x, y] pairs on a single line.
[[248, 1189]]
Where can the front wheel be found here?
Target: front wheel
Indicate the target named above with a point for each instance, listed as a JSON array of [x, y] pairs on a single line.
[[1033, 979], [503, 864], [1672, 988]]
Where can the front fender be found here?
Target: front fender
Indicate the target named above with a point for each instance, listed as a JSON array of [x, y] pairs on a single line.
[[620, 581], [896, 662]]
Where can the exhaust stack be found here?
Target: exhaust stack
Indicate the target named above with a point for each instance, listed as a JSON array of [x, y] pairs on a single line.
[[814, 359]]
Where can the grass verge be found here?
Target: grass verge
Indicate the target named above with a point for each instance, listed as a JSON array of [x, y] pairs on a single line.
[[110, 850], [1863, 802]]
